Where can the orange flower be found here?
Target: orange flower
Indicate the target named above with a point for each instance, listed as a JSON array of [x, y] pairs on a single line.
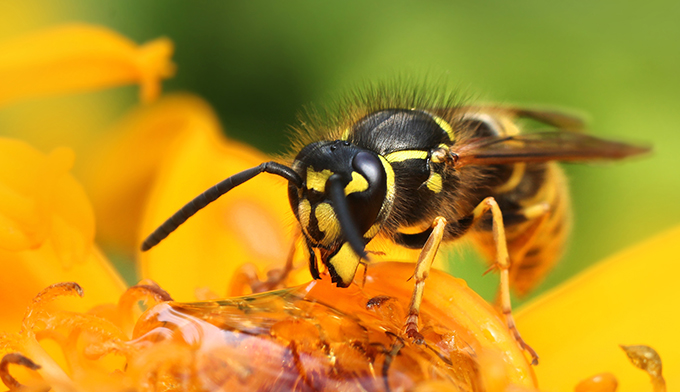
[[306, 336]]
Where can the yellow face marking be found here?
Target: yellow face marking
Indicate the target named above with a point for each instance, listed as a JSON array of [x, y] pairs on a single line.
[[389, 172], [304, 211], [317, 180], [345, 134], [345, 263], [327, 221], [434, 183], [445, 126], [358, 184], [399, 156]]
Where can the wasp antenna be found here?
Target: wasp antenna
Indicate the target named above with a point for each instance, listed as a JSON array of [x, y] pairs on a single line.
[[337, 195], [215, 192]]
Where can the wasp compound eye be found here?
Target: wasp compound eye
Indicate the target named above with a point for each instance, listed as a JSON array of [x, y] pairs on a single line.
[[367, 190], [369, 166]]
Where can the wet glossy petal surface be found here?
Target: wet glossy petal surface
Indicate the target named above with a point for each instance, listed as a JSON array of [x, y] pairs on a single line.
[[319, 337]]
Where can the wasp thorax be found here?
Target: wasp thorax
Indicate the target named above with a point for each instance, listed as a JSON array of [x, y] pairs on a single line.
[[362, 177]]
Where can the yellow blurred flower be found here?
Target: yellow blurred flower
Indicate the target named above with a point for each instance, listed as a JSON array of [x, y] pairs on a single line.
[[48, 224], [305, 336]]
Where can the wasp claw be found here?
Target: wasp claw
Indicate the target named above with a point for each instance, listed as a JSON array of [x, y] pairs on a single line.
[[411, 329]]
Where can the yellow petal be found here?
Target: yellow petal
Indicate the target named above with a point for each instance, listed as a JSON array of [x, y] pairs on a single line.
[[46, 232], [122, 168], [29, 185], [74, 58], [24, 274], [252, 223], [629, 299]]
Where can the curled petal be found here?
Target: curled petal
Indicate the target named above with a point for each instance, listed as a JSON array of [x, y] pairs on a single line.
[[77, 322], [127, 309], [647, 359], [36, 310], [78, 57], [56, 290], [18, 359], [141, 292], [78, 338]]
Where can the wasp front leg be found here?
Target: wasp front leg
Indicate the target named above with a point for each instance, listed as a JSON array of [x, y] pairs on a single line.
[[247, 275], [421, 273], [502, 262]]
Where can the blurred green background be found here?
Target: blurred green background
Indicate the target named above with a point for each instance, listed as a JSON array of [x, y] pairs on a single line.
[[259, 62]]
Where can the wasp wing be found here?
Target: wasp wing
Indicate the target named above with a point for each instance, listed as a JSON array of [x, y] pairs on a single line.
[[542, 147], [568, 121]]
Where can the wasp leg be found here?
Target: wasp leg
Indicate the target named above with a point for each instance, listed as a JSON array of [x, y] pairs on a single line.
[[421, 272], [538, 215], [503, 265], [247, 275], [363, 280]]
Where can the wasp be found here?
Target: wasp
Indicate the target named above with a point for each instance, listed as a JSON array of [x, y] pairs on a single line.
[[421, 171]]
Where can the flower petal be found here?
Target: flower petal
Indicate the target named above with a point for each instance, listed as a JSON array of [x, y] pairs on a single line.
[[336, 339], [123, 166], [78, 57], [628, 299], [46, 232], [252, 223]]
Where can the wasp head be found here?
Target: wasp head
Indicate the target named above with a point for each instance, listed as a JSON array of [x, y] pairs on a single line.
[[340, 205]]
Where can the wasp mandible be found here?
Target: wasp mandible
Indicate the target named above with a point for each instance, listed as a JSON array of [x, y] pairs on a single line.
[[422, 171]]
